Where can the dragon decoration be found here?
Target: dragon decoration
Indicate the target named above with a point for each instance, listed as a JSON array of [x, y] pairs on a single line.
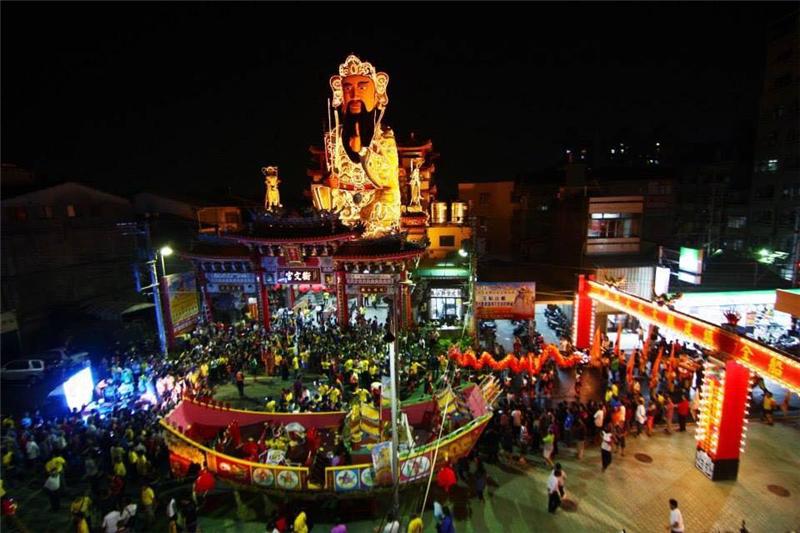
[[530, 363]]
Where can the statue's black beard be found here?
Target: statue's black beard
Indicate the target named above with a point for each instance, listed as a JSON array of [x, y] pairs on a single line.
[[366, 127]]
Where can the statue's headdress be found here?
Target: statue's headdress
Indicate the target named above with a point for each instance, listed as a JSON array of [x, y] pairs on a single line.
[[353, 66]]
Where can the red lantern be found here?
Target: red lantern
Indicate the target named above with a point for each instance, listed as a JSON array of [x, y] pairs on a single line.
[[316, 288], [277, 286]]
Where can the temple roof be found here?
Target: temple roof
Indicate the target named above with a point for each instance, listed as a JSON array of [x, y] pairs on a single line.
[[385, 248], [266, 229]]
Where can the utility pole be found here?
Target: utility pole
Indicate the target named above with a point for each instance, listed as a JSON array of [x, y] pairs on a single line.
[[391, 339], [136, 230]]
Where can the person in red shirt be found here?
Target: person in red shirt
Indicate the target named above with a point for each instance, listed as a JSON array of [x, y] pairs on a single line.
[[683, 412]]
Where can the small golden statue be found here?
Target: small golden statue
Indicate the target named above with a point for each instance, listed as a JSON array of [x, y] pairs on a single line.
[[272, 198]]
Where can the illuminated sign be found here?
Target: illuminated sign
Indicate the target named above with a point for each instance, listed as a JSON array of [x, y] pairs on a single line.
[[751, 354], [511, 301], [439, 292], [298, 275], [690, 265], [183, 305], [78, 389], [369, 279]]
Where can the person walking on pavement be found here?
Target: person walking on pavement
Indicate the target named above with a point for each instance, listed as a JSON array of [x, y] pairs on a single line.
[[579, 434], [683, 412], [555, 488], [675, 517], [669, 413], [606, 445], [240, 382], [641, 416], [480, 479]]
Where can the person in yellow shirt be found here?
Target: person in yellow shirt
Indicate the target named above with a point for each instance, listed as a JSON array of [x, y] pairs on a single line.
[[300, 525], [415, 525], [55, 465], [362, 394], [119, 469], [335, 395], [148, 497], [81, 525], [348, 366], [270, 406]]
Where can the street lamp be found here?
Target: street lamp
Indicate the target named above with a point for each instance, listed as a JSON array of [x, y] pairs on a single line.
[[462, 252], [164, 252]]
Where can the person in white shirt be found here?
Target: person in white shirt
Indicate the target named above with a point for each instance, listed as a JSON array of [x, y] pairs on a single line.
[[606, 445], [598, 421], [111, 520], [32, 450], [128, 516], [392, 525], [555, 488], [675, 518], [641, 416]]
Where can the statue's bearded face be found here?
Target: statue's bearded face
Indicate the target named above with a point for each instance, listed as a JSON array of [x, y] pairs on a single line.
[[358, 94]]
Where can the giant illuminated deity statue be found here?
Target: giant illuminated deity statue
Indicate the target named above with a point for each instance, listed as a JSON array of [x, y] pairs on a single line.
[[361, 154]]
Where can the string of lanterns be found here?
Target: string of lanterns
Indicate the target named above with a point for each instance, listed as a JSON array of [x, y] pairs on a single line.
[[530, 363]]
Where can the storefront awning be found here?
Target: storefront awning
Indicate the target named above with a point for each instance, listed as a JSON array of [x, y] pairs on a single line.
[[788, 301], [114, 309]]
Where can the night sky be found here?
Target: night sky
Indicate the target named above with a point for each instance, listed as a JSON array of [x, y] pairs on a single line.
[[194, 98]]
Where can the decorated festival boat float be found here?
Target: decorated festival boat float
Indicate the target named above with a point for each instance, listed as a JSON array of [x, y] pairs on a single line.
[[338, 452]]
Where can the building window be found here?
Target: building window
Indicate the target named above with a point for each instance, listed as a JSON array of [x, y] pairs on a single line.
[[737, 222], [231, 218], [772, 165], [613, 226], [483, 198], [447, 241], [46, 212], [71, 212], [20, 214]]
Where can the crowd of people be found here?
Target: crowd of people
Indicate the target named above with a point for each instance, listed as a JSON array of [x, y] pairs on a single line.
[[111, 457], [111, 454]]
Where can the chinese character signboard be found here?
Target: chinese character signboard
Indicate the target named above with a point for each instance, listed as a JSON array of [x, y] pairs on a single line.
[[182, 304], [511, 301], [298, 275]]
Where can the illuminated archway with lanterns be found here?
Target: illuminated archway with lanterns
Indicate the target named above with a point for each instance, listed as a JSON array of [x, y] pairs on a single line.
[[728, 374]]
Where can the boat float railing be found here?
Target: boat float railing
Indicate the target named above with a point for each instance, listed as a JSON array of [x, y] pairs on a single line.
[[296, 478]]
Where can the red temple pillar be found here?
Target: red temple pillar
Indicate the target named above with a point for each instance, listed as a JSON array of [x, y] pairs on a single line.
[[342, 313], [263, 295], [583, 315], [290, 287], [720, 428]]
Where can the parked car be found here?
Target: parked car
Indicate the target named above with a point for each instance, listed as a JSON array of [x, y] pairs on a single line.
[[29, 371], [62, 357]]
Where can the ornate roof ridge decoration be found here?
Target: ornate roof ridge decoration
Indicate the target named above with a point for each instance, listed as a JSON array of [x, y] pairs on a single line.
[[353, 66]]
